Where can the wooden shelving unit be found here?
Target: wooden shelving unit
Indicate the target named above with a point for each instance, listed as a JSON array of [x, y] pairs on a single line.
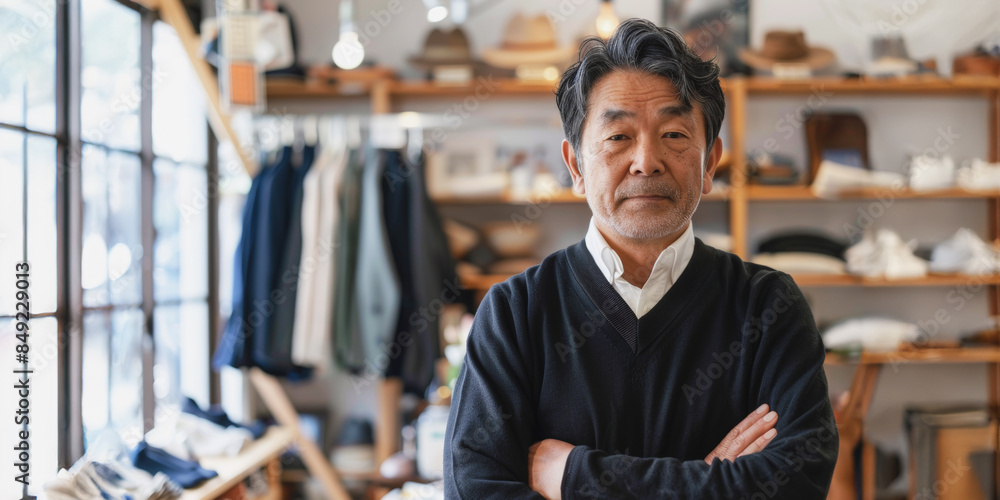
[[739, 195], [942, 355]]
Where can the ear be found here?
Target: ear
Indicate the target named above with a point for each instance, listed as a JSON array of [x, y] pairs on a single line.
[[569, 158], [712, 164]]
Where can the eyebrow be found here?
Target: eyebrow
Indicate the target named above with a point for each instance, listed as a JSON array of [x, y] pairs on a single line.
[[614, 114]]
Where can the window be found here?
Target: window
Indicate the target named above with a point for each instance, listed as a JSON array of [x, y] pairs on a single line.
[[141, 280], [117, 214], [28, 232]]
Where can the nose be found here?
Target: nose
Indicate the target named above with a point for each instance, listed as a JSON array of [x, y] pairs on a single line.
[[648, 159]]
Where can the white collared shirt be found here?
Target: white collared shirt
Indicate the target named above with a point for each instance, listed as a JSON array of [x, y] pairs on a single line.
[[667, 268]]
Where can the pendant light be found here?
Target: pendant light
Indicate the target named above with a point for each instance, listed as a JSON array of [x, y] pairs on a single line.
[[348, 53], [607, 21], [436, 11]]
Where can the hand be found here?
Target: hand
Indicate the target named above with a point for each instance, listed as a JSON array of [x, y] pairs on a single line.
[[546, 463], [749, 436]]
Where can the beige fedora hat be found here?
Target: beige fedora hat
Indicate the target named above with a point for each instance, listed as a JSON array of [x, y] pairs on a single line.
[[528, 41], [786, 47]]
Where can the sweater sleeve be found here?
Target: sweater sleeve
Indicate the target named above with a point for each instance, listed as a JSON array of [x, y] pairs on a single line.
[[491, 418], [787, 373]]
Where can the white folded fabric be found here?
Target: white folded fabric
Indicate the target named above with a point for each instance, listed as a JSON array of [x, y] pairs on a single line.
[[872, 334], [801, 263], [191, 438], [928, 173], [885, 255], [965, 253], [831, 178]]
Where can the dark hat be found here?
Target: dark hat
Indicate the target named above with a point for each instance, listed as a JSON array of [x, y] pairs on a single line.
[[444, 48], [786, 47]]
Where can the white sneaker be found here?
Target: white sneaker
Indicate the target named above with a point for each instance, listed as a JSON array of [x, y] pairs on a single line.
[[885, 255], [965, 253], [979, 175], [927, 173]]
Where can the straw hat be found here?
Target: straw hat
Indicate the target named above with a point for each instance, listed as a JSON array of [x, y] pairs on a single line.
[[786, 47], [528, 41]]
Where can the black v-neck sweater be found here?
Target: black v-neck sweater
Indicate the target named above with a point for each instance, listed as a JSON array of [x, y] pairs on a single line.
[[555, 352]]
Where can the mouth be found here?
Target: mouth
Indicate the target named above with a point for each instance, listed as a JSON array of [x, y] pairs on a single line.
[[648, 197]]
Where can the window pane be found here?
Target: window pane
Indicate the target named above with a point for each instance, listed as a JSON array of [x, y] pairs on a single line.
[[182, 362], [180, 216], [28, 65], [43, 424], [11, 205], [42, 242], [112, 240], [179, 128], [110, 74], [125, 390], [96, 381], [112, 373]]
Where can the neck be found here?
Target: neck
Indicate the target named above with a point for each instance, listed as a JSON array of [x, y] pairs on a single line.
[[638, 255]]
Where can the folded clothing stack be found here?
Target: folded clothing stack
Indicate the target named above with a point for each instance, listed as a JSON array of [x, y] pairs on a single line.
[[186, 473], [802, 253], [869, 334], [110, 480], [832, 177], [193, 438]]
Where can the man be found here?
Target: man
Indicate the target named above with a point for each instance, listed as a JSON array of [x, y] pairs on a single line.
[[641, 363]]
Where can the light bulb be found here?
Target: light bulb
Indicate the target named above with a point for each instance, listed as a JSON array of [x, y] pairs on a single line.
[[607, 21], [348, 53], [437, 14]]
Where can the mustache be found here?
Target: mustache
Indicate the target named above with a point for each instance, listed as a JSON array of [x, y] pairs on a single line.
[[647, 189]]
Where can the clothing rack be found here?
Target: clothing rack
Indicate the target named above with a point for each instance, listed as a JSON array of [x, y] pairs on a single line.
[[401, 132], [395, 131]]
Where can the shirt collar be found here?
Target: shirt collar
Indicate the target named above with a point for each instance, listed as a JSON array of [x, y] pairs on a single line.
[[669, 264]]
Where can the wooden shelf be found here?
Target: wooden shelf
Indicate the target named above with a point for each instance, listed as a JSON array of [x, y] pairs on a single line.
[[832, 280], [492, 87], [912, 85], [292, 89], [943, 355], [232, 470], [282, 88], [804, 193]]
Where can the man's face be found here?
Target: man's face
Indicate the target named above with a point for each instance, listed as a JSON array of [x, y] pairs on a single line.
[[643, 157]]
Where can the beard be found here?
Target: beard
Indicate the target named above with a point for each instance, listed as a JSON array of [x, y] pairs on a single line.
[[641, 219]]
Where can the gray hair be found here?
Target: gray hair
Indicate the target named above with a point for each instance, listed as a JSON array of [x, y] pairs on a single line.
[[640, 45]]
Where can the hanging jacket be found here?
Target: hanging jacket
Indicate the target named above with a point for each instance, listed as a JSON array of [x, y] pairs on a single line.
[[376, 283], [275, 350], [348, 346]]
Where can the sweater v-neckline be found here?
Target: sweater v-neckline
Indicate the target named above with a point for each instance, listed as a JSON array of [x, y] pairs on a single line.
[[610, 303]]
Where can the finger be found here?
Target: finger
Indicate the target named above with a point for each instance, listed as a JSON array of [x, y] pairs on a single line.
[[760, 443], [743, 426], [758, 429]]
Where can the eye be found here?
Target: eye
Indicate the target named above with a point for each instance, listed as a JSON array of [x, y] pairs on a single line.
[[617, 137], [674, 135]]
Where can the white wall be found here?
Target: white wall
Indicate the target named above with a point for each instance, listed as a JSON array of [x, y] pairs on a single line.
[[897, 127]]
